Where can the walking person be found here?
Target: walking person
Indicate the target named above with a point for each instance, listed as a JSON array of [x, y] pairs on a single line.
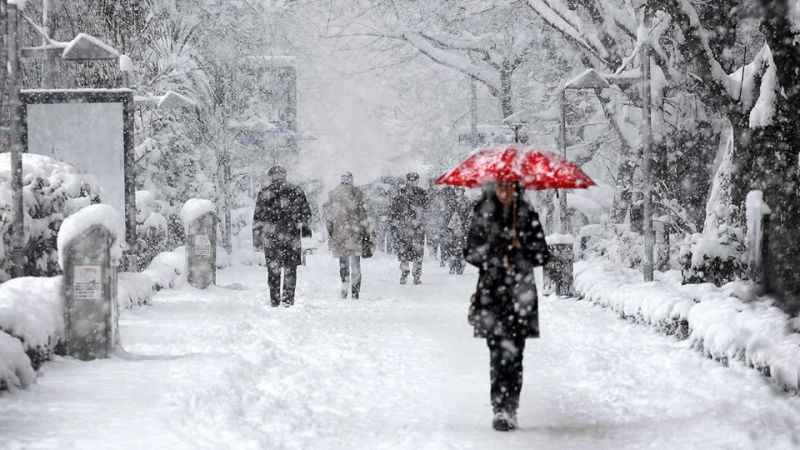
[[349, 232], [281, 217], [460, 211], [505, 242], [407, 221]]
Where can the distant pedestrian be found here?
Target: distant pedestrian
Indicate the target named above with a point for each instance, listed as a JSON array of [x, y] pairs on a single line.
[[460, 211], [281, 218], [505, 242], [407, 214], [350, 236]]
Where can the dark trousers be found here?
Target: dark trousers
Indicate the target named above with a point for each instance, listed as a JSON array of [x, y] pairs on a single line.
[[350, 273], [505, 356], [274, 281]]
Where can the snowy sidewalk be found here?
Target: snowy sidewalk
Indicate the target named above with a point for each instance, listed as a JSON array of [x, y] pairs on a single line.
[[396, 369]]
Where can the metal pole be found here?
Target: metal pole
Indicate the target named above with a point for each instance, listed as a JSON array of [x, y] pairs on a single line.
[[562, 200], [473, 112], [647, 144], [14, 138], [227, 181], [50, 61]]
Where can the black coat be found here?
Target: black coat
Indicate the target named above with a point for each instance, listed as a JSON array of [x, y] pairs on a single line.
[[281, 212], [407, 214], [505, 302]]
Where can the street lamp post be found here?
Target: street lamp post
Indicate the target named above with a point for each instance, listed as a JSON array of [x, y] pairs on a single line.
[[15, 129], [83, 48]]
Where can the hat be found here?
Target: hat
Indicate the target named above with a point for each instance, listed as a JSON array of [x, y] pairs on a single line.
[[412, 176], [347, 178], [276, 171]]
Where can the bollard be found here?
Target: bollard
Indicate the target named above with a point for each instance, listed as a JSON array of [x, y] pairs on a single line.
[[90, 294], [201, 251], [558, 272]]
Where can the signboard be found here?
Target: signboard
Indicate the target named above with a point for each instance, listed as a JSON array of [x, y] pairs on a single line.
[[202, 245], [87, 283], [91, 129]]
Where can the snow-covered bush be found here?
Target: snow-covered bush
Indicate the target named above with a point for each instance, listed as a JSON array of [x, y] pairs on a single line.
[[715, 256], [623, 246], [15, 366], [152, 229], [31, 310], [52, 190], [166, 270], [714, 320]]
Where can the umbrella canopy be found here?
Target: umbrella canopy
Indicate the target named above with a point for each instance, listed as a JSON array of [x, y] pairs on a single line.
[[534, 169]]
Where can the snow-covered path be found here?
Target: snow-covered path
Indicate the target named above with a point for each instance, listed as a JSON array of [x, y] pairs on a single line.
[[396, 369]]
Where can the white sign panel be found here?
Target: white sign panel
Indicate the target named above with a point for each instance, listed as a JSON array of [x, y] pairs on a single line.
[[202, 245], [87, 283], [87, 135]]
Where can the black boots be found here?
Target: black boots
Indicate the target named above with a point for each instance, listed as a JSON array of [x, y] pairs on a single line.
[[504, 421]]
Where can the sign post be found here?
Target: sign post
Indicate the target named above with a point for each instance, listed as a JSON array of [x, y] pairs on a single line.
[[201, 251], [90, 294]]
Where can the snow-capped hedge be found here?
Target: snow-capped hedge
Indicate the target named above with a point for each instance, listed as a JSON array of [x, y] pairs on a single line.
[[32, 310], [15, 366], [167, 270], [713, 319], [52, 190]]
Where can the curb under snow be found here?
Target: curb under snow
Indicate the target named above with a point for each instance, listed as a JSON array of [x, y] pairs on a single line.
[[716, 323]]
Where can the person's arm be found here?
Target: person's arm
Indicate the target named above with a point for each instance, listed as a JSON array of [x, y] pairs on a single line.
[[258, 223], [305, 215], [476, 249]]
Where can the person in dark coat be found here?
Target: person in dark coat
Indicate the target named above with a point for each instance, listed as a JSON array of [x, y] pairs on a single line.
[[407, 214], [281, 217], [505, 242]]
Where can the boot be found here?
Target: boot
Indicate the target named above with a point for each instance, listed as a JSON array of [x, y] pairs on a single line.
[[503, 421], [404, 276]]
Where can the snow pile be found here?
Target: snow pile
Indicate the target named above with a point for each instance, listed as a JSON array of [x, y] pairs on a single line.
[[166, 270], [31, 309], [194, 209], [15, 366], [713, 319], [93, 215], [51, 191]]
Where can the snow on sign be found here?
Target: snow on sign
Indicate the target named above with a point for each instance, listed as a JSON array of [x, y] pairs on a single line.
[[89, 129], [202, 245], [87, 283]]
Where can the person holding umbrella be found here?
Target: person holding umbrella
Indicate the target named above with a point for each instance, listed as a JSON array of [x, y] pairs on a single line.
[[505, 242]]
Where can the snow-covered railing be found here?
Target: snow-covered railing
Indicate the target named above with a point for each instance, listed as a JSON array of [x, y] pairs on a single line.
[[715, 322]]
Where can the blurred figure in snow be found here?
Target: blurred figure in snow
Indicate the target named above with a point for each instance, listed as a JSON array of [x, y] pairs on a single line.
[[505, 242], [436, 221], [455, 235], [350, 236], [407, 222], [281, 217]]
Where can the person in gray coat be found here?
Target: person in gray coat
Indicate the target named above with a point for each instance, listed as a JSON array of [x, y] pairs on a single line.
[[349, 232]]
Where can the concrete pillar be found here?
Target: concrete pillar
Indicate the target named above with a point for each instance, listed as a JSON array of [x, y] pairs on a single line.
[[90, 295], [201, 251]]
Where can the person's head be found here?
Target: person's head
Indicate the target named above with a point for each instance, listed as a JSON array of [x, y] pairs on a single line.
[[412, 178], [347, 178], [506, 191], [276, 174]]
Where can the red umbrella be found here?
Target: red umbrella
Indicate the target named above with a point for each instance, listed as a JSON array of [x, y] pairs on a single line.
[[533, 168]]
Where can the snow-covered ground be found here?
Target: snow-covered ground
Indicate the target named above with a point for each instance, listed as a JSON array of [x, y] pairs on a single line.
[[397, 369]]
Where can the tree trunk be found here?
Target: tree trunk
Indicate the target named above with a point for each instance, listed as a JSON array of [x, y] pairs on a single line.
[[506, 91]]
